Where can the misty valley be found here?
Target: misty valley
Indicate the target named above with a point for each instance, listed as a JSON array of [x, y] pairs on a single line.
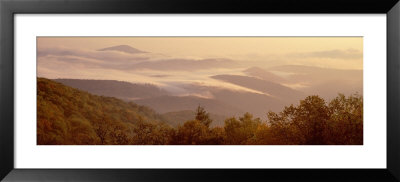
[[121, 95]]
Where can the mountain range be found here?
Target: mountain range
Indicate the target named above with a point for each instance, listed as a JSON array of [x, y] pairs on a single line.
[[123, 48], [112, 88], [224, 87], [267, 90]]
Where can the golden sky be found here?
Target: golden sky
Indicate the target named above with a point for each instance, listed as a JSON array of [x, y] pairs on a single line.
[[241, 48], [305, 63]]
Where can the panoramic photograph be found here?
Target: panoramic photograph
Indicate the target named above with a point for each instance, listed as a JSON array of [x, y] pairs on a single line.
[[199, 91]]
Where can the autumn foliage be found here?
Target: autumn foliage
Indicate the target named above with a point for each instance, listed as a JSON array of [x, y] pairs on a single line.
[[67, 116]]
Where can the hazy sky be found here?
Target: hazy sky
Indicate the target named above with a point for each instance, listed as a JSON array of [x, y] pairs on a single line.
[[170, 62], [336, 52]]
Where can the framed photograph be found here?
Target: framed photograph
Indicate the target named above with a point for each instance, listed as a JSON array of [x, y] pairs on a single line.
[[200, 90]]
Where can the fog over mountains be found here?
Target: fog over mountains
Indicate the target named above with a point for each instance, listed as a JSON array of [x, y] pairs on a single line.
[[176, 86], [123, 48]]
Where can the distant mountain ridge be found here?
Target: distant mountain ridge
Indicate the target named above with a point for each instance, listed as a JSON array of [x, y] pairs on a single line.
[[304, 68], [113, 88], [123, 48], [229, 102], [164, 104], [264, 74], [271, 88], [326, 82], [225, 102], [184, 64]]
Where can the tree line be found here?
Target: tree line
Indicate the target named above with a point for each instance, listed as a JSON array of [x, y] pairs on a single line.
[[67, 116]]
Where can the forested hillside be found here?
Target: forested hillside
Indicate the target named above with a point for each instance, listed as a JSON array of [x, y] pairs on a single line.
[[69, 116]]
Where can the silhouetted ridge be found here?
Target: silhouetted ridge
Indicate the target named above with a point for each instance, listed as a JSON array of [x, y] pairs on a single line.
[[113, 88], [123, 48]]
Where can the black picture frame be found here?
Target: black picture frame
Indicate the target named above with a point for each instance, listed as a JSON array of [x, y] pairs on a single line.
[[8, 8]]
